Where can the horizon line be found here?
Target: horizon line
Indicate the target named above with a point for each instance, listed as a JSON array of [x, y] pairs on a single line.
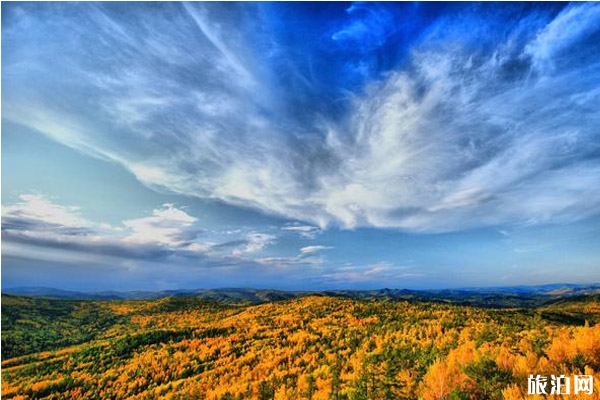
[[465, 288]]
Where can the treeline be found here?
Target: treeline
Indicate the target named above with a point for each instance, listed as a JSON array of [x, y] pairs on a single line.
[[31, 325]]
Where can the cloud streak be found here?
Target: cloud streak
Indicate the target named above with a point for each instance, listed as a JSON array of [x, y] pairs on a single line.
[[370, 274], [314, 249], [169, 233], [469, 130]]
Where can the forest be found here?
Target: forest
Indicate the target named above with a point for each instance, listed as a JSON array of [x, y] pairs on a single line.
[[313, 347]]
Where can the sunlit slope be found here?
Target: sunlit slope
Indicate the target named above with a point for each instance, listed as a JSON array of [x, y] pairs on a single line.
[[312, 347]]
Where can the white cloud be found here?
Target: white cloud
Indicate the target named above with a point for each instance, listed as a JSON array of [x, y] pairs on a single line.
[[452, 144], [254, 242], [375, 273], [307, 256], [291, 261], [167, 226], [457, 139], [34, 207], [570, 26], [36, 225], [313, 249], [305, 231], [38, 217]]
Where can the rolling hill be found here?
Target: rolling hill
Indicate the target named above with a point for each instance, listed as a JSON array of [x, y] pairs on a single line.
[[325, 346]]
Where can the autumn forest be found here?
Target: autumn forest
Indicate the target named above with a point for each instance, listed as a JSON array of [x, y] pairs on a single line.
[[307, 347]]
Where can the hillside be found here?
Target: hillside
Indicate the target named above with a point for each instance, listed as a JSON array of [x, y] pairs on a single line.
[[497, 297], [312, 347]]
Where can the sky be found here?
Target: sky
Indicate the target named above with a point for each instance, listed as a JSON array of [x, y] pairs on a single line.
[[305, 146]]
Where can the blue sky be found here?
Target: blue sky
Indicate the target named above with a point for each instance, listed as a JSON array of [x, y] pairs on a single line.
[[300, 145]]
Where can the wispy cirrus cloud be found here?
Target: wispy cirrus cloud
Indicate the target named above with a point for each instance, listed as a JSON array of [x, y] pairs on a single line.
[[305, 231], [374, 274], [314, 249], [471, 129], [306, 256], [253, 243]]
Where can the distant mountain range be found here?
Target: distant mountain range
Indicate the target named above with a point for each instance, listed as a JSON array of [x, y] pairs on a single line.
[[234, 294], [514, 296]]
